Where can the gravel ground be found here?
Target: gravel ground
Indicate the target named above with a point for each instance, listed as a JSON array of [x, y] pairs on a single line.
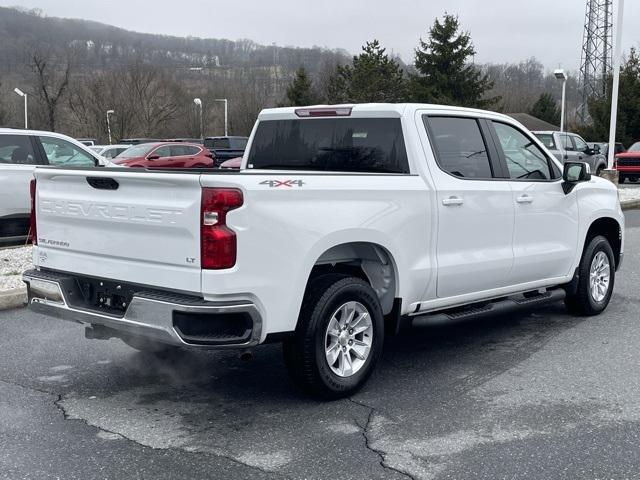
[[13, 261], [629, 192]]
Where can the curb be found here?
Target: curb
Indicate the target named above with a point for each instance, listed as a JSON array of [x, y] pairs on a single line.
[[14, 298], [630, 204]]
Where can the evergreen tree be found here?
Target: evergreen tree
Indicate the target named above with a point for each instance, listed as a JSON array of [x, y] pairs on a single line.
[[300, 90], [372, 77], [628, 123], [546, 109], [445, 74]]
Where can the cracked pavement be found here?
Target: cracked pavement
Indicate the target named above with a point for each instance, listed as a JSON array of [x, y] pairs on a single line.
[[539, 394]]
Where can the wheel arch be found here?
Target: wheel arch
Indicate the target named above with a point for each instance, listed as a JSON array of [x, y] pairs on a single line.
[[368, 260], [609, 228]]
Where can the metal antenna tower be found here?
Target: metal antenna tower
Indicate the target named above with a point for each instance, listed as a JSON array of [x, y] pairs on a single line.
[[596, 52]]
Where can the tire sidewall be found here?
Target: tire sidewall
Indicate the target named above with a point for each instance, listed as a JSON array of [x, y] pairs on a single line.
[[361, 293], [598, 244]]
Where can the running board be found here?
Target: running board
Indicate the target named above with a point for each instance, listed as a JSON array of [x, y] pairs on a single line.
[[487, 309]]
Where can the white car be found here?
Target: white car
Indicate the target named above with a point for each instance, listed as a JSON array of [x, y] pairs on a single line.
[[109, 151], [20, 152], [343, 225]]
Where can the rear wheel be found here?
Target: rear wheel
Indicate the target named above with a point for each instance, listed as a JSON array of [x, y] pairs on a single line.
[[339, 337], [596, 277], [621, 179]]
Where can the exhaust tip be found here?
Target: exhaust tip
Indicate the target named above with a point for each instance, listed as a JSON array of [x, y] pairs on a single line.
[[246, 355]]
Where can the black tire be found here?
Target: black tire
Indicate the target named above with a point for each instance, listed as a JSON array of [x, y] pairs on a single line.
[[159, 349], [621, 179], [633, 179], [583, 302], [304, 354], [599, 171]]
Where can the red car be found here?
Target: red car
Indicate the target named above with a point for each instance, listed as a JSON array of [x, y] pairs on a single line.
[[628, 164], [166, 155]]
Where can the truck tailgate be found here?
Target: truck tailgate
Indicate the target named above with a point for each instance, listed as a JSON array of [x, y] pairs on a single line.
[[121, 224]]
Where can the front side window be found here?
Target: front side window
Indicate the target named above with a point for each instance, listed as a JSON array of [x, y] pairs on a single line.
[[330, 144], [459, 147], [567, 144], [525, 160], [62, 152], [16, 150], [581, 145], [162, 152]]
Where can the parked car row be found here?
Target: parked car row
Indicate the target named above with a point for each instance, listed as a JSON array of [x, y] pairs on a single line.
[[20, 152]]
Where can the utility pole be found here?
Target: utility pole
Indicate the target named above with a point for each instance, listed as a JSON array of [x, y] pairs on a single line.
[[616, 85]]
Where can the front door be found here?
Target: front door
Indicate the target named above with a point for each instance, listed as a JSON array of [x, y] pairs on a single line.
[[546, 219], [475, 210]]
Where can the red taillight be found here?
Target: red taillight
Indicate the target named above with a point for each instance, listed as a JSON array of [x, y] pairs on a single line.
[[323, 112], [32, 221], [217, 241]]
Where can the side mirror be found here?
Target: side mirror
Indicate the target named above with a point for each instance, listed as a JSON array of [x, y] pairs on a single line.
[[596, 149], [153, 157], [574, 173]]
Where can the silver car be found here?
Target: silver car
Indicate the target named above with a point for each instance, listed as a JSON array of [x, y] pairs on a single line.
[[567, 146]]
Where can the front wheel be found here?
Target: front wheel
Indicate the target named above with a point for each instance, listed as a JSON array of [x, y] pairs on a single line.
[[339, 337], [596, 277], [599, 171]]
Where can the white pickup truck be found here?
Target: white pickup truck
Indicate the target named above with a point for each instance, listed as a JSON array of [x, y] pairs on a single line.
[[344, 224]]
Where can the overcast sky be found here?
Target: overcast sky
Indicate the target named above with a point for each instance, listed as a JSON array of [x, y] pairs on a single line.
[[502, 30]]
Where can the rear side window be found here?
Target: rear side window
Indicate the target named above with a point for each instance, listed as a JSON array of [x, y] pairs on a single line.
[[16, 150], [547, 140], [459, 147], [330, 144]]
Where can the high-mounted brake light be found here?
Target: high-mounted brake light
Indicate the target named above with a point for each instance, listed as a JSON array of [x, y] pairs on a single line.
[[32, 220], [323, 112], [218, 246]]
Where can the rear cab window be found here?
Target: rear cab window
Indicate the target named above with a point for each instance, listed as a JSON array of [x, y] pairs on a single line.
[[547, 140], [367, 145]]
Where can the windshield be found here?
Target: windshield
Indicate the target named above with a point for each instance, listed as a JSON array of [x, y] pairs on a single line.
[[330, 144], [635, 147], [135, 151]]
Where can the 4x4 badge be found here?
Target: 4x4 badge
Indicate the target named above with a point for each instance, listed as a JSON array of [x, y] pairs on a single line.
[[282, 183]]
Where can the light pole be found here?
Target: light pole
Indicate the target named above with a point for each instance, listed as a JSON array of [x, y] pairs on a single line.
[[24, 95], [226, 133], [560, 75], [109, 113], [198, 103], [616, 85]]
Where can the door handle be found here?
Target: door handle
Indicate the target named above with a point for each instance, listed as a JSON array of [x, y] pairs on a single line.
[[452, 201], [524, 199]]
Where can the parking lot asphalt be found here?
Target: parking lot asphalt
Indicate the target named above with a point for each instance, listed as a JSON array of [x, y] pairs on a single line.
[[538, 394]]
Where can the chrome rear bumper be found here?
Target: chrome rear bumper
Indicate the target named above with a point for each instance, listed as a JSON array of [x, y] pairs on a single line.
[[149, 314]]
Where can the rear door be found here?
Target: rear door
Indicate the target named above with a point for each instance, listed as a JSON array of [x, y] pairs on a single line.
[[475, 211], [18, 158], [123, 224], [546, 219]]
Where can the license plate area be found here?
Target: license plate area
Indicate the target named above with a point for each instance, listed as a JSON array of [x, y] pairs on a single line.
[[106, 296]]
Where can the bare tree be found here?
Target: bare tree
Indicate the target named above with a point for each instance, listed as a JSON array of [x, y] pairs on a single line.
[[51, 83]]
